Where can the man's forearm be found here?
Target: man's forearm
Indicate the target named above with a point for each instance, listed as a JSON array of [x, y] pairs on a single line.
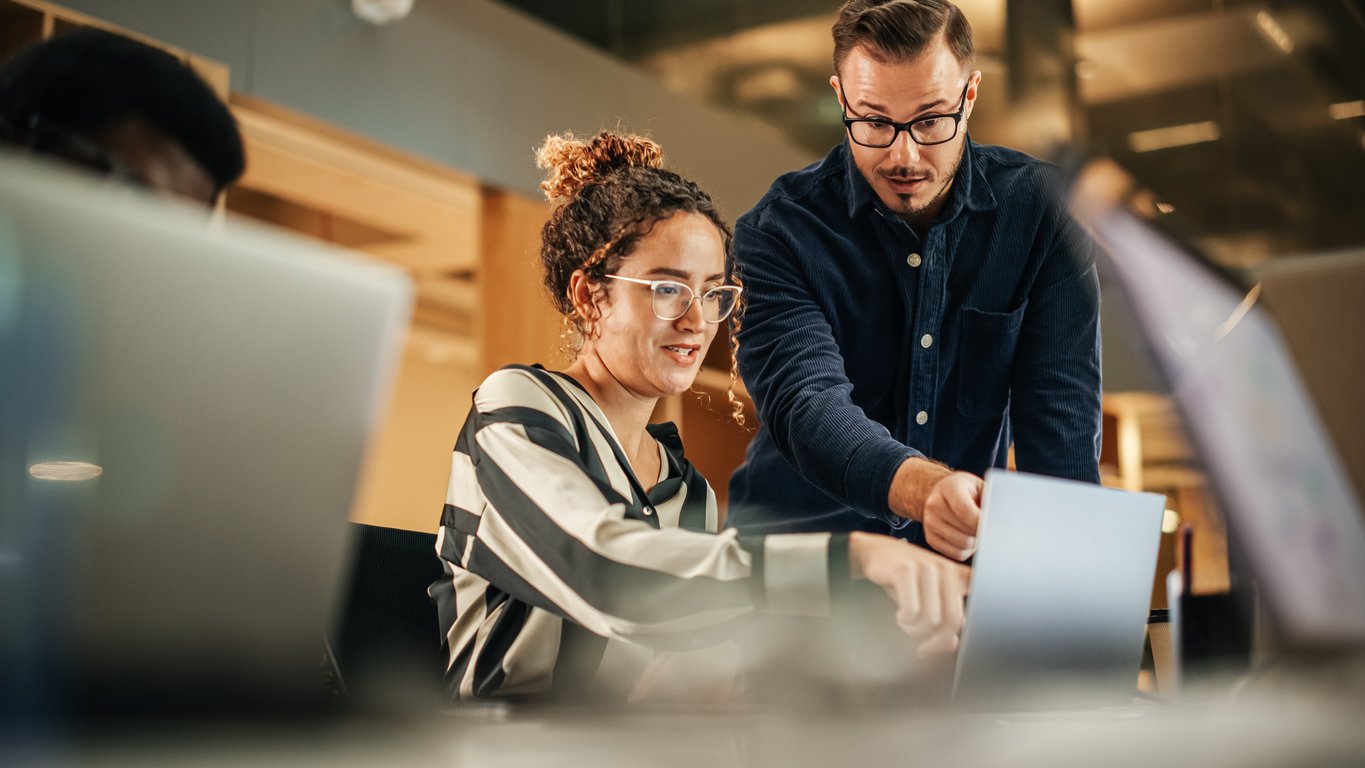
[[914, 479]]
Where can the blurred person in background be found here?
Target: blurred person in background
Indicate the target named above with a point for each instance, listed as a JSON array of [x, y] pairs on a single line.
[[916, 303], [123, 109], [580, 546]]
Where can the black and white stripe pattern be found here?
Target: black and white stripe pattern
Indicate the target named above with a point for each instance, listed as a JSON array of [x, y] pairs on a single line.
[[541, 525]]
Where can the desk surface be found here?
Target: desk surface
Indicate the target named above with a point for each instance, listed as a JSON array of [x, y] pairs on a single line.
[[1280, 720]]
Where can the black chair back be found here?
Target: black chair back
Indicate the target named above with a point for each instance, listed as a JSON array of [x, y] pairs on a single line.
[[387, 643]]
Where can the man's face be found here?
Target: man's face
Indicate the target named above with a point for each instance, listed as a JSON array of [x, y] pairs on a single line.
[[911, 180]]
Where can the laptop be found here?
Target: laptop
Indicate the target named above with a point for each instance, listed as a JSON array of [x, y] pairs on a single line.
[[1061, 585], [1291, 511], [186, 404]]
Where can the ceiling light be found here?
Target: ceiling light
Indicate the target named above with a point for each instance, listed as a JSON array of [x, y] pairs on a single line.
[[1174, 136], [381, 12], [65, 471], [1274, 31], [1165, 207], [1346, 110]]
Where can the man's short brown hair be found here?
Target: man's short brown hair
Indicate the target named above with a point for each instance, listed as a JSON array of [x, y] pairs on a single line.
[[897, 30]]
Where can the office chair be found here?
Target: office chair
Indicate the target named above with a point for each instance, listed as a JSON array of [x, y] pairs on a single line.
[[386, 645]]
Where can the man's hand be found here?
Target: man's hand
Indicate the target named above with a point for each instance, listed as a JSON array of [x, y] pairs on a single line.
[[951, 514], [929, 591], [948, 503]]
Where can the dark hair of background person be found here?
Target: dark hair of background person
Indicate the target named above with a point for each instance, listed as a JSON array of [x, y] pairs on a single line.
[[88, 81], [609, 191], [898, 30]]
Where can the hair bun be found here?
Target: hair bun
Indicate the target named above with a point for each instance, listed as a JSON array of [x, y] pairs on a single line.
[[574, 163]]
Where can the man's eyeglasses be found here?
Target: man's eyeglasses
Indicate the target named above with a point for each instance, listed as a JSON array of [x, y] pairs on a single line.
[[672, 299], [879, 132]]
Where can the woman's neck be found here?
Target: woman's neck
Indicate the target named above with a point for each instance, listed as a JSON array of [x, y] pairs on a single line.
[[626, 411]]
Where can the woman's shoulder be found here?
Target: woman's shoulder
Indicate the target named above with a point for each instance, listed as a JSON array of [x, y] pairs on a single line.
[[523, 386]]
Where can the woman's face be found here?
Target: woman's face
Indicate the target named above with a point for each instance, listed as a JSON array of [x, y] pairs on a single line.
[[649, 356]]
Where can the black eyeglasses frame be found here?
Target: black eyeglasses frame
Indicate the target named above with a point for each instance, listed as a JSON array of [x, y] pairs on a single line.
[[906, 126]]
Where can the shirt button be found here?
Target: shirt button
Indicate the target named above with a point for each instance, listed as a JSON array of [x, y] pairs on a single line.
[[648, 511], [913, 260], [926, 341], [922, 418]]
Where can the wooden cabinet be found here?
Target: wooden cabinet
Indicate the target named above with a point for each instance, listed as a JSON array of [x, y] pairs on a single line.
[[22, 24]]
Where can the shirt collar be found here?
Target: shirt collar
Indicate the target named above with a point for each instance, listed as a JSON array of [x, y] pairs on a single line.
[[971, 190]]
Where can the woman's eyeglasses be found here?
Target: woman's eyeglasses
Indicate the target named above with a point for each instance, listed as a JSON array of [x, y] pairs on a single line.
[[672, 299]]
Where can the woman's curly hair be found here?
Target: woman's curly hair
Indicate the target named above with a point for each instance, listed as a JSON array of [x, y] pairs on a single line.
[[608, 192]]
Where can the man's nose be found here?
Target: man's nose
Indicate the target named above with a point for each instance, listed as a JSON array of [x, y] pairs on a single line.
[[903, 149]]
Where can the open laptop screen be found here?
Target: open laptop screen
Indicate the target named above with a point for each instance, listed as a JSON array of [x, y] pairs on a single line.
[[1290, 506]]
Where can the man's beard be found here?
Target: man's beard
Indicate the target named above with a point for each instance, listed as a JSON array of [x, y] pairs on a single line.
[[915, 214]]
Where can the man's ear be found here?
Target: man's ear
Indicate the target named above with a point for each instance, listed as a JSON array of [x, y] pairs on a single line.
[[838, 95], [972, 89]]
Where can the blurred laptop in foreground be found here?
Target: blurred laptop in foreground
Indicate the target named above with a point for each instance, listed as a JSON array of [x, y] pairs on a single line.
[[184, 415]]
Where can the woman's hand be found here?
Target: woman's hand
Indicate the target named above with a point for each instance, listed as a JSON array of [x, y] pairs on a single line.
[[929, 590]]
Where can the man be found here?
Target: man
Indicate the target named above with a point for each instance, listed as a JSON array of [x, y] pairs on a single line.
[[915, 300], [121, 108]]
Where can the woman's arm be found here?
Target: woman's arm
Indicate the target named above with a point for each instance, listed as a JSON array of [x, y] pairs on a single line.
[[536, 515], [550, 530]]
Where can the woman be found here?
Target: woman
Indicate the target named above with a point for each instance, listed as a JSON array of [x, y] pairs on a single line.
[[577, 539]]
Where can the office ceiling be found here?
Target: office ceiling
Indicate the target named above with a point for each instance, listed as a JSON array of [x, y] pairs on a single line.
[[1247, 117]]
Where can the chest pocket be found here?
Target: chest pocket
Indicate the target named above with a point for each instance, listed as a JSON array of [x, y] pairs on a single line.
[[986, 354]]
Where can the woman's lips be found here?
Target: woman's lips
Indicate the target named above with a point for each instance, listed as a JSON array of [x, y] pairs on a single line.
[[683, 354]]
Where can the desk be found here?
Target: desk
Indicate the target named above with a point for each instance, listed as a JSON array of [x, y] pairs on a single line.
[[1300, 719]]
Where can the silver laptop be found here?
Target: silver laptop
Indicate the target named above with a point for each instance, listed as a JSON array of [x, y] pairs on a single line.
[[1061, 586], [186, 402]]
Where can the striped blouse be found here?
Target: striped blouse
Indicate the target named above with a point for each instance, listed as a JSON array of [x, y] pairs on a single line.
[[562, 576]]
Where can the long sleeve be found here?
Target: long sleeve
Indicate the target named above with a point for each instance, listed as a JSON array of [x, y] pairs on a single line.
[[795, 370], [538, 507]]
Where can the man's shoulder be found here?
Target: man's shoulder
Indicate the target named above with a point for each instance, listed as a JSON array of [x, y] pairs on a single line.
[[1010, 167], [1021, 184], [814, 190]]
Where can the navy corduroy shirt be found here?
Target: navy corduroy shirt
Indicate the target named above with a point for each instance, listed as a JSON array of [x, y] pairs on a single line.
[[864, 344]]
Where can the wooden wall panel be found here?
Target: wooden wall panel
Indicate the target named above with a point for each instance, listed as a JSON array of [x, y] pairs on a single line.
[[403, 482], [517, 324], [431, 212]]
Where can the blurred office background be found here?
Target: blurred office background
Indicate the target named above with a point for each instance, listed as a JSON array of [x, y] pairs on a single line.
[[412, 141], [1246, 116]]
